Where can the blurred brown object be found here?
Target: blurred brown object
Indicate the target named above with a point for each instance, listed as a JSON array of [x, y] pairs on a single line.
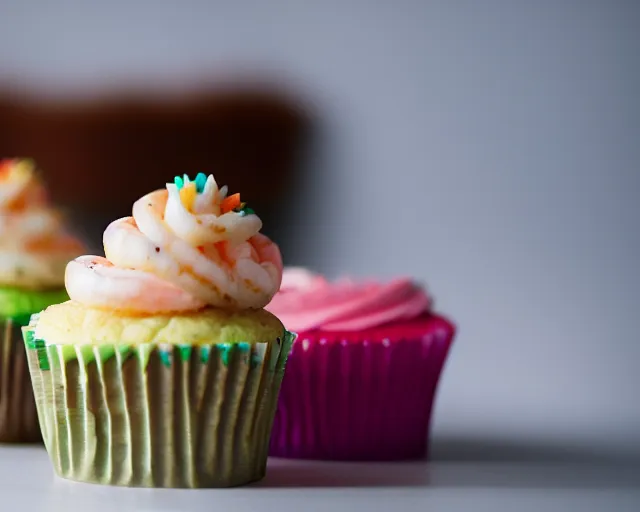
[[100, 156]]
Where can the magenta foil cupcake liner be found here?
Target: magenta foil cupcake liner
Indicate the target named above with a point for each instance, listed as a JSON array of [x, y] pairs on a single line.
[[360, 400]]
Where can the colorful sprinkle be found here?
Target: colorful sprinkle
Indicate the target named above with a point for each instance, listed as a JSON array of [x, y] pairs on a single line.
[[201, 181], [246, 211], [230, 203], [242, 209]]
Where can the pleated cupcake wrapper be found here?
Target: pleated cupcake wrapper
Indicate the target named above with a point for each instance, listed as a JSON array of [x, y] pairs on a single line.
[[361, 400], [18, 417], [158, 415]]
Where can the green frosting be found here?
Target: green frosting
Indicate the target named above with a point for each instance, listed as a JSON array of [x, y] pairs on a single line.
[[18, 304]]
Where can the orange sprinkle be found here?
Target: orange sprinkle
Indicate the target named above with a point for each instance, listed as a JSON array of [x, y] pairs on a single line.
[[230, 203]]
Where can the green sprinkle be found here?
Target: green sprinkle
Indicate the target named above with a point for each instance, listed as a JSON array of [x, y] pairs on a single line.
[[178, 181], [246, 211], [201, 181]]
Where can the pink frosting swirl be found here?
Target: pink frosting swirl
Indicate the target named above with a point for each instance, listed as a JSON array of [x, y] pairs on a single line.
[[307, 301]]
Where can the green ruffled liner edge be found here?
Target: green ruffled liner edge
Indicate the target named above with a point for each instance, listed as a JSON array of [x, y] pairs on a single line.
[[253, 353]]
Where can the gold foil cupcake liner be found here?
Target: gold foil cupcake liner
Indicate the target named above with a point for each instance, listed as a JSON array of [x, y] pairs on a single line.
[[154, 415], [18, 417]]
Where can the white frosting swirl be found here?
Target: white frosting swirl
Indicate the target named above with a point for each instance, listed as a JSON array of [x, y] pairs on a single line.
[[182, 249], [34, 245]]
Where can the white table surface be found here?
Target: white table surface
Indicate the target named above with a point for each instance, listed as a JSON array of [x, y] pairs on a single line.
[[27, 483]]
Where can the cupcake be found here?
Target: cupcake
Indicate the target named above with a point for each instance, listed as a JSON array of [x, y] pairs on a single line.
[[34, 249], [363, 372], [163, 370]]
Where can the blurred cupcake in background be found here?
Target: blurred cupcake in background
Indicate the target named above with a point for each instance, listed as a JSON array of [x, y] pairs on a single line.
[[34, 250], [163, 370], [363, 373]]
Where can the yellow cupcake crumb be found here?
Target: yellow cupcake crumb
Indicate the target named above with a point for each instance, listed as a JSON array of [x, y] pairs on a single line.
[[72, 323]]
